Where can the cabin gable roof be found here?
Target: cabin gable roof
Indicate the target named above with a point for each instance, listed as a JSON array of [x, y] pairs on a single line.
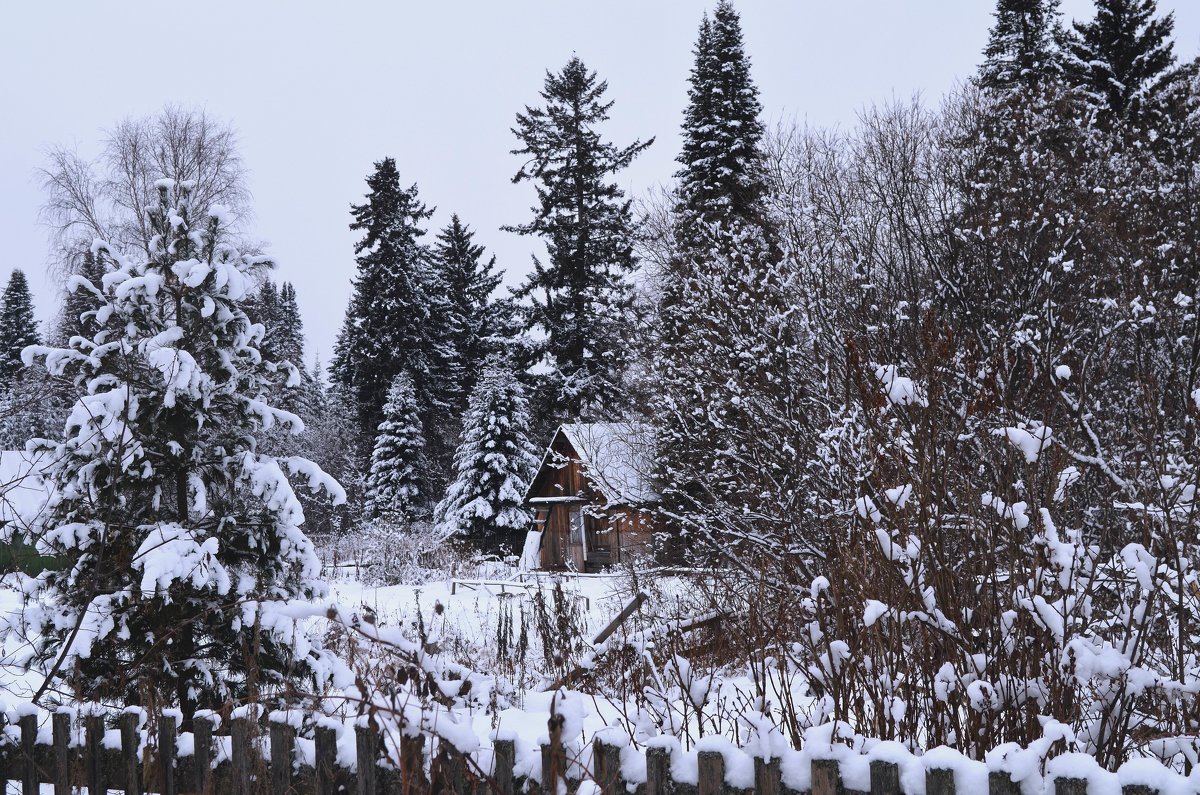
[[615, 458]]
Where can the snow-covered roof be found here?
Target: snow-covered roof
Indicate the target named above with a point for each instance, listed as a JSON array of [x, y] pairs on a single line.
[[617, 457], [23, 491]]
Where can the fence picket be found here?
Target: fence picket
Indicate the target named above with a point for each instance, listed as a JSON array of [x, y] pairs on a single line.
[[504, 757], [93, 753], [412, 764], [60, 727], [554, 758], [29, 775], [606, 759], [168, 731], [326, 761], [712, 773], [885, 778], [939, 781], [1000, 783], [239, 737], [130, 742], [766, 776], [1070, 786], [826, 777], [366, 742], [283, 751], [658, 771], [202, 732]]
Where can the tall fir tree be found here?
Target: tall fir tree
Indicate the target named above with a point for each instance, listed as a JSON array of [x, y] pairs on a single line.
[[1124, 58], [576, 298], [387, 329], [289, 331], [18, 328], [177, 533], [493, 464], [722, 173], [396, 484], [470, 281], [1024, 46]]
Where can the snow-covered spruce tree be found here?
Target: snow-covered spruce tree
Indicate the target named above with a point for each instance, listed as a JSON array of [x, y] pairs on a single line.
[[493, 464], [1124, 58], [578, 296], [1024, 45], [177, 534], [18, 328], [76, 304], [396, 484]]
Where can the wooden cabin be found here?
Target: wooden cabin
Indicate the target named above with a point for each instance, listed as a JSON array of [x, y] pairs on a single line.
[[592, 498]]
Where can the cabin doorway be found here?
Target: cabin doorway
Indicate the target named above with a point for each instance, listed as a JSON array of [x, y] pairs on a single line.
[[576, 540]]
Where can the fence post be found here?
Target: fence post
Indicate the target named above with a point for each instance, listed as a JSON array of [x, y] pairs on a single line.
[[1000, 783], [1138, 789], [129, 752], [712, 773], [1070, 786], [283, 751], [366, 743], [93, 738], [326, 773], [239, 741], [29, 771], [504, 755], [826, 777], [202, 731], [885, 778], [606, 759], [939, 781], [658, 771], [61, 729]]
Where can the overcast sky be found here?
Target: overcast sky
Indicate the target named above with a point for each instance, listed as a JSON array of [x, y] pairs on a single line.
[[318, 91]]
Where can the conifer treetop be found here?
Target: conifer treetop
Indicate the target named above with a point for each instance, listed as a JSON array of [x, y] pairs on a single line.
[[721, 172], [1124, 56]]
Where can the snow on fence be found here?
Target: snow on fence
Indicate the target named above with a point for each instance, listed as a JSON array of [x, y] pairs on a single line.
[[85, 751]]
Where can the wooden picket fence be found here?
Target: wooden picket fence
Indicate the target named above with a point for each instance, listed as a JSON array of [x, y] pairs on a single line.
[[67, 766]]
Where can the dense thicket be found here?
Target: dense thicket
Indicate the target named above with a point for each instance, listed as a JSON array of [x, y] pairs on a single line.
[[948, 460]]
